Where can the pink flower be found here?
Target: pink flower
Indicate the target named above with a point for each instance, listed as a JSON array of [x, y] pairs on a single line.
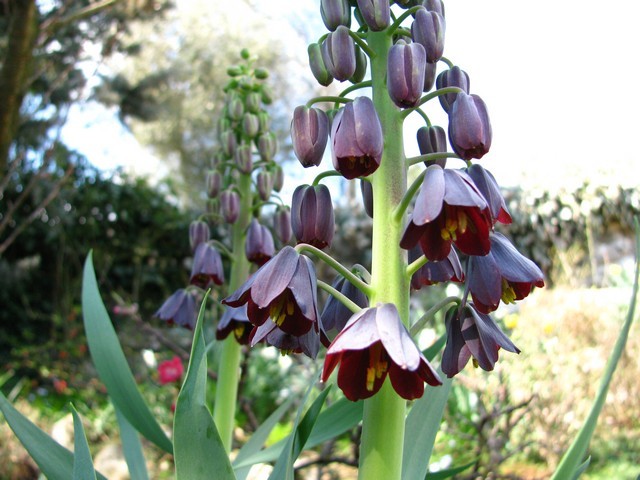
[[170, 370]]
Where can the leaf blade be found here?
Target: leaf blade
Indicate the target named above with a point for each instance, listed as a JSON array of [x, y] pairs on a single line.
[[82, 462]]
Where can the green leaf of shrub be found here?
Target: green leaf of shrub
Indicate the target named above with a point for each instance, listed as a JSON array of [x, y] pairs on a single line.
[[82, 462], [198, 450], [111, 363]]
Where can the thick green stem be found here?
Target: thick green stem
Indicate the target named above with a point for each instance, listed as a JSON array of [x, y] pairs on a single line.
[[224, 410], [384, 413]]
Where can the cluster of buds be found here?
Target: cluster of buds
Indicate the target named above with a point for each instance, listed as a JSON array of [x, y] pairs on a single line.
[[242, 178]]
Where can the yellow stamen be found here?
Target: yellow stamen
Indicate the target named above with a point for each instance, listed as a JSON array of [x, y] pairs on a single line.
[[475, 363], [238, 331], [449, 230], [377, 366], [508, 294], [371, 375], [462, 221]]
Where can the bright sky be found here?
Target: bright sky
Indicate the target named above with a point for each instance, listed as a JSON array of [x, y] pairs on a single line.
[[560, 84]]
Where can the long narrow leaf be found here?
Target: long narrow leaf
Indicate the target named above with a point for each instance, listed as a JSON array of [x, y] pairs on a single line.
[[573, 461], [132, 449], [421, 426], [55, 461], [82, 462], [111, 363], [283, 469], [198, 450], [255, 443]]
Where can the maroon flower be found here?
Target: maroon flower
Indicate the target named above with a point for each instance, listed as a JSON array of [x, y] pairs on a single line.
[[486, 183], [284, 289], [259, 246], [356, 139], [375, 343], [312, 218], [449, 209], [503, 274], [170, 371], [431, 273], [335, 315], [470, 131], [470, 333], [307, 343], [235, 320], [207, 267], [179, 308], [432, 140]]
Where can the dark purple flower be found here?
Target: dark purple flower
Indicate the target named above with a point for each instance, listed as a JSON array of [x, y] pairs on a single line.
[[428, 29], [448, 209], [429, 76], [309, 134], [265, 185], [282, 224], [335, 315], [366, 189], [284, 289], [447, 270], [356, 139], [307, 343], [312, 218], [179, 309], [432, 140], [454, 77], [235, 320], [335, 13], [207, 267], [339, 54], [376, 13], [470, 333], [469, 127], [405, 73], [214, 181], [490, 190], [259, 246], [375, 343], [503, 274], [198, 233], [230, 205], [317, 65]]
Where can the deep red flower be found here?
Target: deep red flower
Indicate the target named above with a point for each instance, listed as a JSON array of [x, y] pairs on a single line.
[[375, 343], [170, 371], [259, 246], [431, 273], [271, 334]]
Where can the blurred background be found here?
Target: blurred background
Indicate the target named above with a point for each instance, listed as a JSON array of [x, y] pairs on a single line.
[[107, 114]]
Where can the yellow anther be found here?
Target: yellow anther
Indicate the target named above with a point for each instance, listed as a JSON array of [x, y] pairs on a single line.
[[508, 293], [371, 375], [238, 331], [463, 221], [475, 363]]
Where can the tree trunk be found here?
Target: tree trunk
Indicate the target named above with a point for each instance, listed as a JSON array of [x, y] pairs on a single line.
[[16, 66]]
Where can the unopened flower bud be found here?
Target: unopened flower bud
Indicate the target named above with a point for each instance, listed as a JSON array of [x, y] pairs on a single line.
[[356, 139], [213, 208], [282, 224], [265, 185], [266, 95], [335, 13], [376, 13], [429, 76], [361, 66], [312, 218], [432, 140], [229, 143], [405, 73], [198, 233], [434, 6], [454, 77], [317, 65], [261, 73], [278, 177], [265, 121], [250, 124], [230, 205], [309, 134], [214, 181], [366, 189], [252, 102], [267, 146], [243, 158], [222, 125], [339, 54], [259, 246], [234, 71], [235, 109], [469, 127], [428, 30]]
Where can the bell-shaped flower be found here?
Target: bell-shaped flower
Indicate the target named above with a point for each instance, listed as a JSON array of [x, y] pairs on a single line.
[[448, 210], [312, 218], [235, 320], [428, 29], [373, 344], [207, 267], [230, 205], [335, 13], [199, 232], [432, 140], [285, 289], [405, 73], [472, 334], [431, 273], [339, 54], [307, 343], [469, 127], [503, 274], [335, 315], [179, 309], [486, 183], [376, 13], [282, 224], [309, 134], [454, 77], [259, 246], [356, 139], [317, 65]]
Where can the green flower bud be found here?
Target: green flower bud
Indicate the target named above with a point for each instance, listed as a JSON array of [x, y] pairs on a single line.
[[317, 65]]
